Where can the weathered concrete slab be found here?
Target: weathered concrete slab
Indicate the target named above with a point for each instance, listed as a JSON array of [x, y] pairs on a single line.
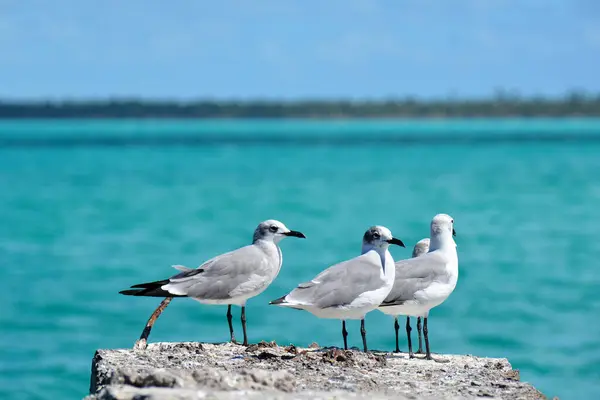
[[267, 371]]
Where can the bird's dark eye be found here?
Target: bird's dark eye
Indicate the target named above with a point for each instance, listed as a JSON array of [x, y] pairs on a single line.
[[375, 235], [273, 228], [452, 221]]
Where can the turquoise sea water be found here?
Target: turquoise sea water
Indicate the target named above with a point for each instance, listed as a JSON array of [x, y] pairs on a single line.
[[88, 208]]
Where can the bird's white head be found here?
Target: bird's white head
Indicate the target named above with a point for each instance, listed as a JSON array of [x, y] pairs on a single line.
[[273, 230], [379, 238], [442, 231], [421, 247]]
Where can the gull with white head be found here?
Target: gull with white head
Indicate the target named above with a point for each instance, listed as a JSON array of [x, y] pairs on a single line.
[[426, 281], [350, 289], [229, 279]]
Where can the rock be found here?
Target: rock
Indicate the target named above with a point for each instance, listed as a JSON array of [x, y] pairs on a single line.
[[131, 393], [267, 371]]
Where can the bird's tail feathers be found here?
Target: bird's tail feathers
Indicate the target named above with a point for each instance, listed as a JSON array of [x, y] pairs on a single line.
[[149, 285], [284, 303], [149, 289], [279, 301]]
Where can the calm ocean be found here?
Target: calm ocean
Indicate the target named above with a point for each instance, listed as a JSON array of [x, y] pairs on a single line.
[[88, 208]]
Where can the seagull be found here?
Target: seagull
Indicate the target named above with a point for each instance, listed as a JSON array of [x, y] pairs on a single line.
[[230, 278], [424, 282], [350, 289]]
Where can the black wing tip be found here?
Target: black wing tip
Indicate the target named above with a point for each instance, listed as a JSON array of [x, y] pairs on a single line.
[[150, 285], [391, 304], [140, 286], [129, 292], [280, 300], [150, 291]]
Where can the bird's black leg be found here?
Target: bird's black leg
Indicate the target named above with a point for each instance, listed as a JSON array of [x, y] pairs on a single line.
[[345, 335], [420, 350], [396, 327], [244, 326], [229, 320], [427, 351], [425, 333], [408, 329], [363, 333]]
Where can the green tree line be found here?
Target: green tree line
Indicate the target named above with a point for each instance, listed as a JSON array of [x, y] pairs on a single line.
[[571, 105]]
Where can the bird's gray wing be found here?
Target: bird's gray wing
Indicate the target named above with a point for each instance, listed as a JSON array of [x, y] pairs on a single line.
[[225, 276], [340, 284], [185, 272], [416, 274]]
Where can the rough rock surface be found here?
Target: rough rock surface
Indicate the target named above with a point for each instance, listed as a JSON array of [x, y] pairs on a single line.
[[267, 371]]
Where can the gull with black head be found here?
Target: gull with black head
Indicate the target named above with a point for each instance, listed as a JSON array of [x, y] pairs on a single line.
[[424, 282], [350, 289], [228, 279]]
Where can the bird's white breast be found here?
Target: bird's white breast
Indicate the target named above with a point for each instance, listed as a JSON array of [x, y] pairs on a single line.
[[370, 300], [439, 290]]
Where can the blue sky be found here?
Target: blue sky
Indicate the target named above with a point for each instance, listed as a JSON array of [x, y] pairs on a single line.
[[297, 48]]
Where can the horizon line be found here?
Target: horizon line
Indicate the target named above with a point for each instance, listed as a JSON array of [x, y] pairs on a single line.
[[507, 95]]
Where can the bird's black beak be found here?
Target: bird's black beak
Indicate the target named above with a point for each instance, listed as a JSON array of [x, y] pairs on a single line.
[[397, 242], [295, 234], [453, 232]]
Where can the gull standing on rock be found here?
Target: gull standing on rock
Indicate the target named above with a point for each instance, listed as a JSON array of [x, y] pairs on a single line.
[[231, 278], [424, 282], [350, 289]]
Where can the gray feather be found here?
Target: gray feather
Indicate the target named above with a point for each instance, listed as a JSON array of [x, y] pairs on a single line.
[[221, 277], [342, 283], [416, 274]]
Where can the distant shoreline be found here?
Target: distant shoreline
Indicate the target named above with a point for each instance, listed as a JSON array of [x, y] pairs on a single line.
[[573, 105]]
